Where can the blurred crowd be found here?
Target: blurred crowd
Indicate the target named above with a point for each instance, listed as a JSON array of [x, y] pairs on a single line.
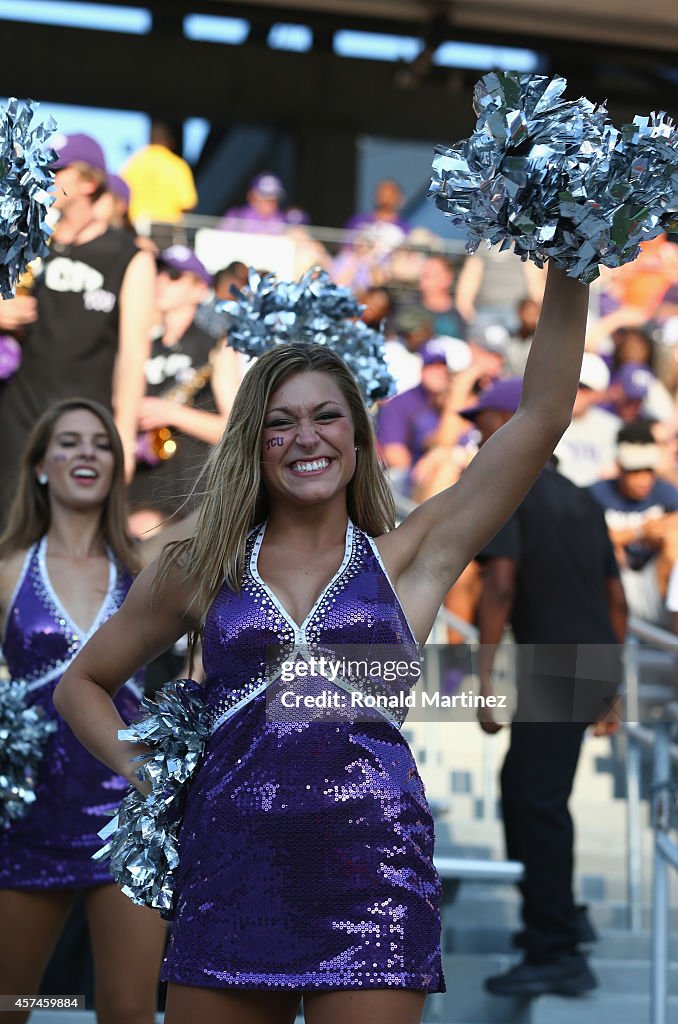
[[112, 314]]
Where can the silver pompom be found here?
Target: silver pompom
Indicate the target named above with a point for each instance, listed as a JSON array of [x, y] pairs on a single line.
[[314, 309], [24, 731], [555, 178], [141, 840], [25, 183]]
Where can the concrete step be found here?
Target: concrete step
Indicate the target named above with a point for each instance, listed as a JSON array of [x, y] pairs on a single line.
[[615, 944], [466, 1002], [500, 905], [599, 1008]]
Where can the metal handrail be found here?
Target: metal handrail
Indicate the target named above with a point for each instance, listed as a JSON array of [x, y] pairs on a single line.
[[653, 634], [658, 740], [334, 237]]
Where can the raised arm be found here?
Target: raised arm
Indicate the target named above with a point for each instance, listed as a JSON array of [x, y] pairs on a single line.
[[429, 550], [136, 318], [146, 625]]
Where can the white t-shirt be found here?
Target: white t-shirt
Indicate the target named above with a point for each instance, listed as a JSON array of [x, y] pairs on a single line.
[[587, 449], [672, 590]]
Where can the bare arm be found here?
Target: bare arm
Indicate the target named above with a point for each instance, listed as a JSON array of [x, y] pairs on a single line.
[[426, 553], [397, 456], [199, 423], [145, 626], [17, 313], [618, 609], [494, 611], [468, 286], [134, 346]]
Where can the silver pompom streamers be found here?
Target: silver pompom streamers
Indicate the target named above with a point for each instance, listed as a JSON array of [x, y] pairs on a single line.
[[24, 731], [141, 840], [555, 178], [25, 183], [314, 309]]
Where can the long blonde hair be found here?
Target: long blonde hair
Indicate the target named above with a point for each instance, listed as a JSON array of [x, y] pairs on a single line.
[[235, 497], [30, 512]]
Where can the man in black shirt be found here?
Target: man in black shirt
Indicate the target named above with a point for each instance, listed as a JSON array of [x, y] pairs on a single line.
[[551, 571], [190, 387], [86, 329]]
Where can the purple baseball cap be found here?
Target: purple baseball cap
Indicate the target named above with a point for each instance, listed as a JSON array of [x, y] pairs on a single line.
[[268, 186], [77, 148], [454, 352], [180, 257], [119, 187], [503, 395], [634, 379]]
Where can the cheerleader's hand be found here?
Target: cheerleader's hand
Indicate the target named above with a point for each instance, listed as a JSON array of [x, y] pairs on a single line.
[[136, 757]]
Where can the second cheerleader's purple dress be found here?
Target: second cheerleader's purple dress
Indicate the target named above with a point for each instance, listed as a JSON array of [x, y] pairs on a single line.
[[51, 846], [306, 848]]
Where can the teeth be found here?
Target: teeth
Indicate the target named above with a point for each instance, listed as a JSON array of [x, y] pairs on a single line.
[[309, 467], [89, 474]]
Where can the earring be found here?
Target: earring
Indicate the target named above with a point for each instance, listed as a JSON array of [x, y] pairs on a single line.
[[356, 448], [42, 478]]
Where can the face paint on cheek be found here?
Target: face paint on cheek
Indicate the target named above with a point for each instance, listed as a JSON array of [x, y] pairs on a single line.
[[60, 457], [275, 442]]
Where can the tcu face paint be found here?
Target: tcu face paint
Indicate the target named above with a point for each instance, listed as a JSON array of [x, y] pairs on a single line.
[[275, 442]]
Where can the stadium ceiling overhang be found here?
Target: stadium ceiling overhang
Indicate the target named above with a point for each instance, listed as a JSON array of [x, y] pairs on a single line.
[[624, 23]]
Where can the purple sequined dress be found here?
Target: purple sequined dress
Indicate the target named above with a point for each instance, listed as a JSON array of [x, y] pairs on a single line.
[[51, 847], [306, 848]]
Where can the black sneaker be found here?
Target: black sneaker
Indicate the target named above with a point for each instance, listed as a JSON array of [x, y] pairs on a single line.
[[569, 975], [586, 933]]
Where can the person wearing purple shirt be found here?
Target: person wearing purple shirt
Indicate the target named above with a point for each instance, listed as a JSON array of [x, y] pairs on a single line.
[[406, 423], [388, 199], [262, 212]]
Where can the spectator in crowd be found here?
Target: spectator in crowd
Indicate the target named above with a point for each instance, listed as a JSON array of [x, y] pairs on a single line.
[[378, 306], [586, 450], [388, 202], [262, 211], [643, 283], [403, 349], [490, 282], [494, 406], [640, 513], [408, 259], [161, 182], [408, 422], [551, 572], [635, 392], [87, 327], [365, 261], [112, 208], [632, 344], [113, 204], [235, 275], [189, 392], [517, 348], [452, 446], [435, 298]]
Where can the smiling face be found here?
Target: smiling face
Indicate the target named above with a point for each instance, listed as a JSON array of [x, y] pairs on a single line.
[[307, 449], [79, 461]]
